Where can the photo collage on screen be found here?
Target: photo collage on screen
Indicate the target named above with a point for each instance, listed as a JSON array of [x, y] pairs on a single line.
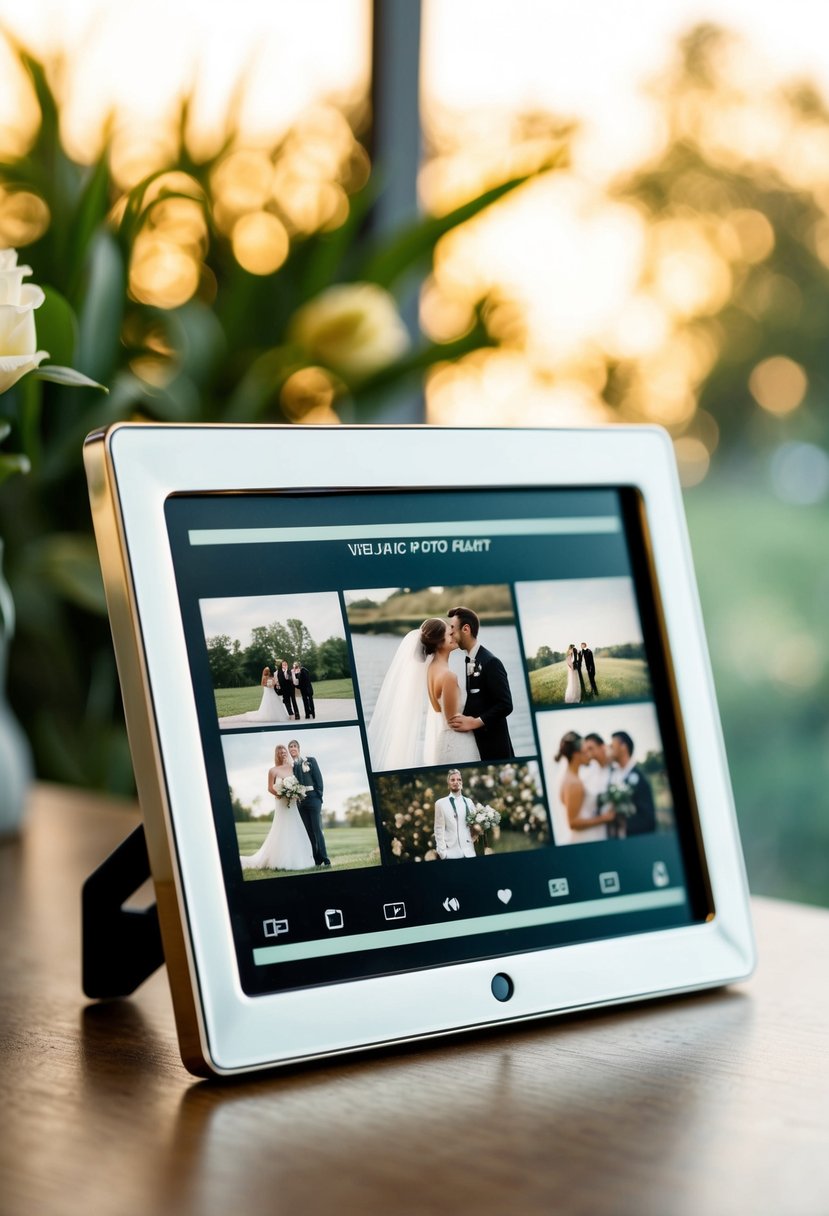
[[602, 754], [287, 712], [391, 726], [431, 663]]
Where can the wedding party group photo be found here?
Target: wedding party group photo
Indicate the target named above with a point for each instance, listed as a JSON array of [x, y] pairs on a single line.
[[301, 801], [604, 769], [278, 659], [583, 641]]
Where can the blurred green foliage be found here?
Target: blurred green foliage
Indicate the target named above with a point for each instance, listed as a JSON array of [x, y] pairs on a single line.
[[224, 354], [737, 252], [764, 586]]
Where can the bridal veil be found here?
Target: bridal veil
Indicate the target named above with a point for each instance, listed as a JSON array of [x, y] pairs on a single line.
[[395, 733]]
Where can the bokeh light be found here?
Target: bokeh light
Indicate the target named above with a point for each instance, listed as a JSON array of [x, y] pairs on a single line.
[[24, 217], [778, 384], [162, 273], [308, 395], [693, 460], [260, 242], [800, 473]]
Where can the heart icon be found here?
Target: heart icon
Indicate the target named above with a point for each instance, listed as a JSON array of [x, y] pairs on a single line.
[[505, 895]]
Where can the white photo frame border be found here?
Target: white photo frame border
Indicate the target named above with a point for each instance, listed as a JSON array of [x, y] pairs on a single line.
[[132, 470]]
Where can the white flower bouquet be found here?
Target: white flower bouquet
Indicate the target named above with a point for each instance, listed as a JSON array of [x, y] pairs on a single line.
[[620, 799], [483, 817], [289, 789]]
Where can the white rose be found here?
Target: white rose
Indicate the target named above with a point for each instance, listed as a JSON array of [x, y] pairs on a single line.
[[353, 328], [18, 339]]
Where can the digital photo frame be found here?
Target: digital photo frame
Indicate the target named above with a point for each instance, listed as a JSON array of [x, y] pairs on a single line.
[[423, 728]]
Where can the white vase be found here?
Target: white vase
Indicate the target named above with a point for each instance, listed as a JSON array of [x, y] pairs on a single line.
[[15, 755]]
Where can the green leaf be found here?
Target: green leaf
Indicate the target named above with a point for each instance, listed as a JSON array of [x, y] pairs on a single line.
[[68, 562], [11, 463], [5, 428], [90, 214], [391, 259], [62, 454], [103, 309], [179, 401], [324, 263], [370, 394], [196, 335], [134, 207], [45, 97], [163, 196], [260, 385], [68, 376], [57, 327], [136, 213], [30, 398]]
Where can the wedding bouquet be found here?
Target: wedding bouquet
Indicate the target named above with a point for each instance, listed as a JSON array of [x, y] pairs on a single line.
[[620, 799], [289, 789], [483, 817]]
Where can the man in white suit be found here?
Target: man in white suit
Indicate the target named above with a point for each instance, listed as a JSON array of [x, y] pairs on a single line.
[[452, 835]]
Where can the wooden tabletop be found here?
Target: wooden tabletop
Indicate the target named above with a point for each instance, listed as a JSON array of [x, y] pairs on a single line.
[[710, 1104]]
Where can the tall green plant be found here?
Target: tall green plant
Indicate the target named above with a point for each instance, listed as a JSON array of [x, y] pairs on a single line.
[[227, 354]]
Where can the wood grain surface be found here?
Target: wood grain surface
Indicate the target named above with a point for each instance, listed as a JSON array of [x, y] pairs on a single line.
[[711, 1104]]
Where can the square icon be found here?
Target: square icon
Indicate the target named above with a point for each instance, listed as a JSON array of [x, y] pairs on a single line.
[[558, 887], [273, 928], [334, 918], [395, 911], [609, 882]]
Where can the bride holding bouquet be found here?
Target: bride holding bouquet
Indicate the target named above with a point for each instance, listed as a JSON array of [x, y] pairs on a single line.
[[286, 846]]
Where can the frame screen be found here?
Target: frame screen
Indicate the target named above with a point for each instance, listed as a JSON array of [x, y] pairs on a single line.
[[471, 693]]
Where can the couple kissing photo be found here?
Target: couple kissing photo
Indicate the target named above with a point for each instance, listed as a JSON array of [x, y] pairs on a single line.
[[605, 773], [450, 690]]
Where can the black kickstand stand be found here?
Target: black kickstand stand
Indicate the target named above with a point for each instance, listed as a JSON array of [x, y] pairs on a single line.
[[121, 946]]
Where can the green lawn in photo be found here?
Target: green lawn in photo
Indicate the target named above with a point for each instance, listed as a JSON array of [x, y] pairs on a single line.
[[231, 701], [616, 679], [348, 848]]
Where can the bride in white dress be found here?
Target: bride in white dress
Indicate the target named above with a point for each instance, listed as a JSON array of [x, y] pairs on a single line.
[[576, 818], [420, 693], [442, 745], [271, 708], [572, 693], [286, 846]]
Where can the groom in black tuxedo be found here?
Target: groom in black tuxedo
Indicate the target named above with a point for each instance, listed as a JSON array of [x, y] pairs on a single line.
[[586, 659], [307, 773], [577, 661], [488, 698], [625, 769], [287, 691], [302, 680]]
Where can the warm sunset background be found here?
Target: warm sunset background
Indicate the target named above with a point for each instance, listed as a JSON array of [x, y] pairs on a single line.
[[661, 254]]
